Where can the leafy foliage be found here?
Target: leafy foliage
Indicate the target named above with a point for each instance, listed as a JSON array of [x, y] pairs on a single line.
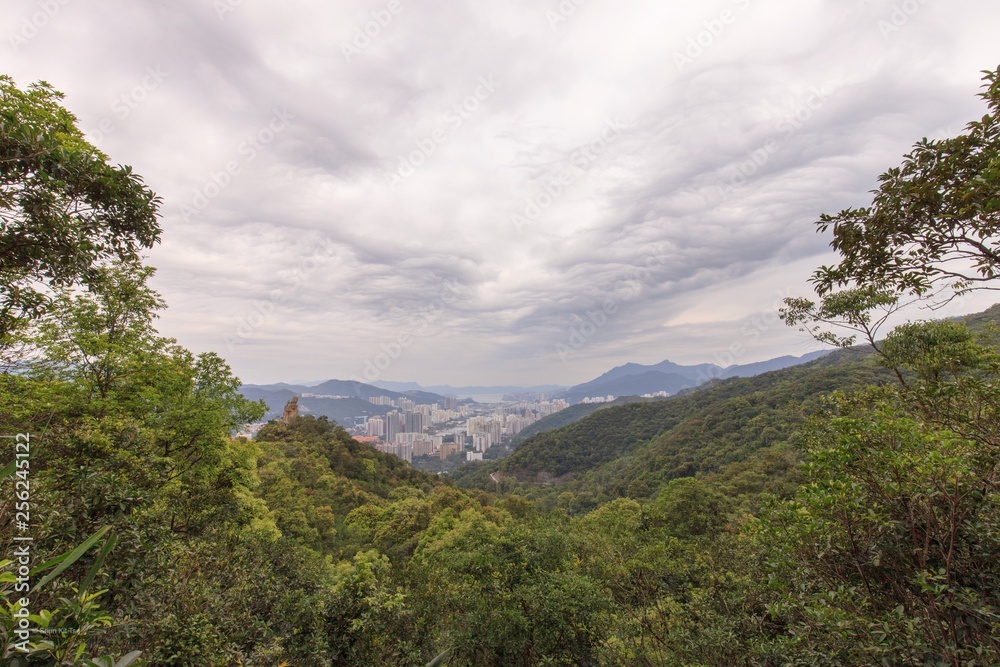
[[633, 450], [889, 550], [932, 219], [313, 474], [64, 211]]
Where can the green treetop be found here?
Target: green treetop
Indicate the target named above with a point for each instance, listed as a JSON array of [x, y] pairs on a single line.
[[64, 210]]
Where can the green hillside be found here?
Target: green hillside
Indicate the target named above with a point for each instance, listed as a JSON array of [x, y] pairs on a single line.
[[634, 448], [573, 413], [313, 474]]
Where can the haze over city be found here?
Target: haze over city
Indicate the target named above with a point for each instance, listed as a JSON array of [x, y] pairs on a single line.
[[515, 192]]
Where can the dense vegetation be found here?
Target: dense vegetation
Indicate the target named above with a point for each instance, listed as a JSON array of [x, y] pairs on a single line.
[[841, 513], [570, 415], [634, 449]]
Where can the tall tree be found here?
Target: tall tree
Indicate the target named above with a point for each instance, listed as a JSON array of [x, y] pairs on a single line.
[[932, 230], [888, 554], [933, 219], [64, 210]]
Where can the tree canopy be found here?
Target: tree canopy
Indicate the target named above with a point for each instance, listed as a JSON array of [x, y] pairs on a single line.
[[64, 210], [933, 219]]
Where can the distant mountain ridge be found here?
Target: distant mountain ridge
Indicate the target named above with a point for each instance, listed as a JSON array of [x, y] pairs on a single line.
[[627, 380], [447, 390], [342, 410], [632, 447], [636, 379]]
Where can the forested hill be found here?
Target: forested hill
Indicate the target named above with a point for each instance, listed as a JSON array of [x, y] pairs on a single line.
[[313, 474], [573, 414], [637, 379], [683, 435], [635, 448], [142, 532]]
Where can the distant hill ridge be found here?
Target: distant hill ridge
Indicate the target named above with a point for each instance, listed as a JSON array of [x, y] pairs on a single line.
[[635, 446], [341, 410], [627, 380], [636, 379], [449, 390]]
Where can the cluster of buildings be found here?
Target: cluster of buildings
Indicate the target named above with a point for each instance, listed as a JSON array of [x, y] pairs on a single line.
[[609, 398], [599, 399], [444, 429]]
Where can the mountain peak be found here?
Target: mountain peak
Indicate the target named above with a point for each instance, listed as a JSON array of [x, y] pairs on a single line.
[[633, 379]]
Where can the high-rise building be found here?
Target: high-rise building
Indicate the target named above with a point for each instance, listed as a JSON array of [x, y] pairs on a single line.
[[423, 447], [447, 449], [393, 425], [414, 422], [402, 450], [482, 441], [515, 426], [376, 427], [475, 425]]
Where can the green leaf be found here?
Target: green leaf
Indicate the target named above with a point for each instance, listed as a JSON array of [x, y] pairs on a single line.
[[98, 563], [128, 659], [67, 560], [438, 661]]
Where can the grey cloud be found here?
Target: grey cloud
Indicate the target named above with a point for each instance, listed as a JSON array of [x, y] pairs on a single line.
[[654, 223]]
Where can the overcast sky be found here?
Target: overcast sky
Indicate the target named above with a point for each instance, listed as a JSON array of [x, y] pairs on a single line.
[[518, 191]]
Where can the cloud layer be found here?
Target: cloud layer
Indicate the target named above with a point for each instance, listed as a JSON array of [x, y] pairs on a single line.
[[452, 192]]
